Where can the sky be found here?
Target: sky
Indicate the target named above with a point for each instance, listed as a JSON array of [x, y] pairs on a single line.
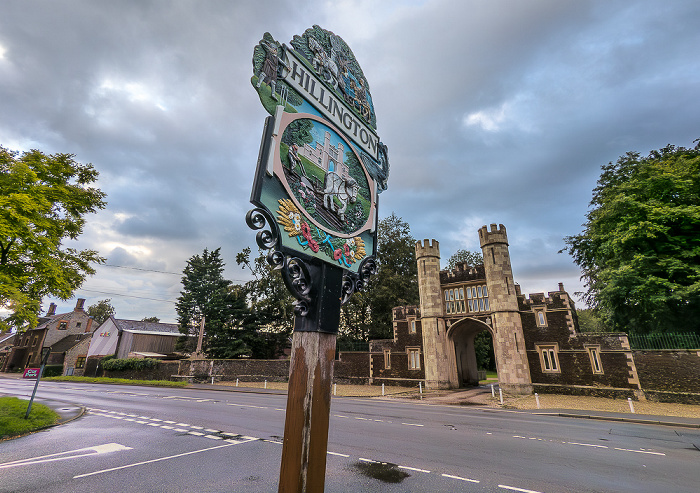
[[499, 111]]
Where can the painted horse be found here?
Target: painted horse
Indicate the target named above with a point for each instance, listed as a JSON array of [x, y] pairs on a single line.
[[345, 190]]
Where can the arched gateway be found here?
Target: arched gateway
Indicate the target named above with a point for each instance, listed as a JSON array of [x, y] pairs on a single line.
[[456, 305]]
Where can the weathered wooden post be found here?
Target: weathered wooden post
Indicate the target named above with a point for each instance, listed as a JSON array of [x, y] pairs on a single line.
[[320, 169]]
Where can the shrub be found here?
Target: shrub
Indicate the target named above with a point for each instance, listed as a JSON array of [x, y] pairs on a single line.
[[129, 364]]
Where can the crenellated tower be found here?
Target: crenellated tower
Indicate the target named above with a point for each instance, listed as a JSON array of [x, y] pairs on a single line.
[[509, 342], [438, 355]]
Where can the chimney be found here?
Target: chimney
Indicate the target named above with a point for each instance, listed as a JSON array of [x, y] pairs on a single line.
[[561, 286], [79, 305], [52, 310]]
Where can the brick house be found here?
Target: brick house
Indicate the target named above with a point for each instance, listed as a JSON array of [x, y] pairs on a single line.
[[57, 331]]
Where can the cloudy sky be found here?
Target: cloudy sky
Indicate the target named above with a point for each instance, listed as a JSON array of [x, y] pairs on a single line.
[[496, 111]]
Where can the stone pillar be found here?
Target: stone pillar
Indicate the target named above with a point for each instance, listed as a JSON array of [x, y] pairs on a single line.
[[438, 355], [509, 342]]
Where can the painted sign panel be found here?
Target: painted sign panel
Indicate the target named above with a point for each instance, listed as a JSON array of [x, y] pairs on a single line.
[[31, 373], [321, 165]]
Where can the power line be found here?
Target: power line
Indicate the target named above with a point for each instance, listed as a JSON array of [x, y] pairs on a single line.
[[126, 295], [146, 270]]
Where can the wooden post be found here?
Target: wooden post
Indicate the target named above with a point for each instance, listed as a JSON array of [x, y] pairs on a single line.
[[304, 449], [200, 339]]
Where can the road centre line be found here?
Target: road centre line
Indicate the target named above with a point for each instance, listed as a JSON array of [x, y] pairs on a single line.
[[513, 488], [414, 469], [460, 478], [412, 424], [640, 451]]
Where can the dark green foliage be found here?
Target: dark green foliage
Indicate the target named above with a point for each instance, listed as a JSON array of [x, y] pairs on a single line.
[[270, 303], [207, 294], [470, 258], [640, 250], [298, 132], [483, 346], [101, 311], [129, 364], [589, 321], [369, 314], [53, 371], [43, 201]]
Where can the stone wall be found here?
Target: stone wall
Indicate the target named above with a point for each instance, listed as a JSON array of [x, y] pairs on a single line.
[[162, 372], [669, 375], [251, 370]]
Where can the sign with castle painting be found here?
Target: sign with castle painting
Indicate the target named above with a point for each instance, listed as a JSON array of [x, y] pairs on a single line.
[[321, 164]]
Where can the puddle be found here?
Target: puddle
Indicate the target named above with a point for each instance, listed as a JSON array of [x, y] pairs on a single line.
[[383, 471]]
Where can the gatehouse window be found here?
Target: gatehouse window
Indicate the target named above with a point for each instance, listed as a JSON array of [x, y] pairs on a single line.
[[478, 298], [413, 358], [412, 327], [594, 355], [454, 301], [541, 318], [80, 362], [549, 358]]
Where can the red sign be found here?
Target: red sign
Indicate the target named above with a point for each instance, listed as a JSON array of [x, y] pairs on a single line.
[[31, 373]]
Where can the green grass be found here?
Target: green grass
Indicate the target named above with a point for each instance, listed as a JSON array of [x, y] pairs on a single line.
[[121, 381], [12, 422]]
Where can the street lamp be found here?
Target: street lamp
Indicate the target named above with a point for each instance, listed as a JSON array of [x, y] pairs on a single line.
[[44, 358]]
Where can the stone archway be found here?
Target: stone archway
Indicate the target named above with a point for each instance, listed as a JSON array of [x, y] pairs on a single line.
[[461, 336]]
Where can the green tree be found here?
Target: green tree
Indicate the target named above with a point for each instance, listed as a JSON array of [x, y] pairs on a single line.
[[640, 249], [150, 319], [396, 282], [101, 311], [207, 294], [270, 302], [43, 201], [589, 321], [470, 258]]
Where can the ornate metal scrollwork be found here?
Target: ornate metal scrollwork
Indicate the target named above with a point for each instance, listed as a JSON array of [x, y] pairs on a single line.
[[355, 283], [257, 219]]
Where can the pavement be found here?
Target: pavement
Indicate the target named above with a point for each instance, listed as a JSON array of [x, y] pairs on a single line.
[[476, 398]]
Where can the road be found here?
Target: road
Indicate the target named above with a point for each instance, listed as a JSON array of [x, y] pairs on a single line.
[[142, 439]]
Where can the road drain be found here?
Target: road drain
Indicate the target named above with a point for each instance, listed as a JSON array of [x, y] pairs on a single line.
[[383, 471]]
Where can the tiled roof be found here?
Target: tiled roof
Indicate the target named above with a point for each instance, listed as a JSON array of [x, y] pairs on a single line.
[[139, 326], [66, 343]]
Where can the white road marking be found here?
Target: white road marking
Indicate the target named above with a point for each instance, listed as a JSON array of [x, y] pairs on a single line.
[[639, 451], [513, 488], [154, 460], [587, 445], [213, 437], [339, 455], [195, 433], [461, 478], [414, 469], [411, 424], [339, 416], [74, 454]]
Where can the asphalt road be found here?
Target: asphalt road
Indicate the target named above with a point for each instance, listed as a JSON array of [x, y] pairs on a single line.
[[139, 439]]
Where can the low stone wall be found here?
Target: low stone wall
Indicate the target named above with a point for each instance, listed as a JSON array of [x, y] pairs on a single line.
[[162, 372], [251, 370], [671, 375]]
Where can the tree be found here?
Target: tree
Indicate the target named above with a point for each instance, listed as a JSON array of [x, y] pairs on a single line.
[[43, 201], [101, 311], [207, 294], [465, 256], [640, 249], [369, 314], [150, 319], [270, 302]]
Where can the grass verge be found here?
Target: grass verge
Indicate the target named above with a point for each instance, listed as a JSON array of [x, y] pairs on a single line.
[[121, 381], [12, 422]]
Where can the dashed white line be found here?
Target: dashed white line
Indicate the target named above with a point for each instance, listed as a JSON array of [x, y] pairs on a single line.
[[513, 488], [339, 455], [413, 469], [587, 445], [640, 451], [460, 478], [412, 424]]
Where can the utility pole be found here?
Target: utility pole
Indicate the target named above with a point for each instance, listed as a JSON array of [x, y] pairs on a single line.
[[200, 339]]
